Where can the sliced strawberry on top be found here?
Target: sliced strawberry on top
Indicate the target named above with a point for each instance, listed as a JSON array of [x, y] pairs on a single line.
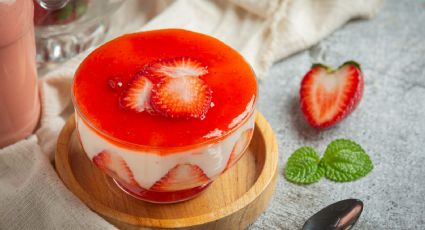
[[181, 97], [327, 96], [137, 95], [181, 177], [115, 166], [178, 67]]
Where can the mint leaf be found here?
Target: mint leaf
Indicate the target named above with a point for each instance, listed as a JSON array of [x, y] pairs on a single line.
[[345, 160], [303, 166]]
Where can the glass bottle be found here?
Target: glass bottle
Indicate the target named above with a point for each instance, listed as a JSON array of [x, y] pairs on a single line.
[[19, 98]]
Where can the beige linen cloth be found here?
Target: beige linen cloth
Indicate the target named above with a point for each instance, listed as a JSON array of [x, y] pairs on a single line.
[[31, 194]]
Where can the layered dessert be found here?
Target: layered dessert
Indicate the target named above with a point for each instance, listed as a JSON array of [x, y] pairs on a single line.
[[164, 112]]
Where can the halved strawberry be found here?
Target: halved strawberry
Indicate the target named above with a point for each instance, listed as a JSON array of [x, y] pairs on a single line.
[[137, 95], [182, 176], [115, 166], [178, 67], [181, 97], [240, 146], [327, 96]]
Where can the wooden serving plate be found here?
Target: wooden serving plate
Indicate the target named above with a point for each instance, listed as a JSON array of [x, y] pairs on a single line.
[[233, 201]]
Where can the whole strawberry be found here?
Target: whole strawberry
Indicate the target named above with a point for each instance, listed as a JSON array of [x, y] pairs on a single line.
[[327, 96]]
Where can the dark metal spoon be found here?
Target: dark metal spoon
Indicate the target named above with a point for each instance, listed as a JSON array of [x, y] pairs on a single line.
[[341, 215]]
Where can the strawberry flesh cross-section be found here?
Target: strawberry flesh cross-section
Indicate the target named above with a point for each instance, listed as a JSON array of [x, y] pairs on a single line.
[[177, 68], [181, 97], [171, 88], [328, 96], [182, 176], [239, 147], [137, 95], [115, 166]]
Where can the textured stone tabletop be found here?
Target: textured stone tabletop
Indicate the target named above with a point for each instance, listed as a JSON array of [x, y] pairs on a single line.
[[389, 122]]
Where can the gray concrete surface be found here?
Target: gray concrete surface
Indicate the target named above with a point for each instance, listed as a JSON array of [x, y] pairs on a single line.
[[389, 122]]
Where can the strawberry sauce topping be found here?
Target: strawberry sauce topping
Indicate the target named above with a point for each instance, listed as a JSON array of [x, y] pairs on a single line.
[[164, 88]]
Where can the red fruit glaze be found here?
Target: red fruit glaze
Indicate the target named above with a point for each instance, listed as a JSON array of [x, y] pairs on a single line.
[[327, 97], [230, 79]]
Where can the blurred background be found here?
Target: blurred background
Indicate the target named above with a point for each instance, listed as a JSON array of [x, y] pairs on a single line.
[[68, 27]]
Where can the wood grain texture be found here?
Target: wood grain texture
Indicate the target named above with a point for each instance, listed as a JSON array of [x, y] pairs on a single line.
[[233, 201]]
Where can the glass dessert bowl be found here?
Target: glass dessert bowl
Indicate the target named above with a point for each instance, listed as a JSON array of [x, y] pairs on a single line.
[[164, 112]]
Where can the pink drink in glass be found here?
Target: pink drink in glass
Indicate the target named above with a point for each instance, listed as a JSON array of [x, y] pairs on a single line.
[[19, 99]]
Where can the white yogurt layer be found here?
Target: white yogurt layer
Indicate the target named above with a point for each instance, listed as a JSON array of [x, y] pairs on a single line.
[[149, 167]]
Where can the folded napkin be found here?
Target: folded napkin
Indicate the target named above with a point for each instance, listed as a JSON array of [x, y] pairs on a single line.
[[32, 195]]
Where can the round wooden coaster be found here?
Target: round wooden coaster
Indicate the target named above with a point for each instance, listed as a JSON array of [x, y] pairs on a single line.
[[233, 201]]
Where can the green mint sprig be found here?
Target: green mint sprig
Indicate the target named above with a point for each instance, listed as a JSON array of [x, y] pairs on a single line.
[[343, 161], [303, 166]]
